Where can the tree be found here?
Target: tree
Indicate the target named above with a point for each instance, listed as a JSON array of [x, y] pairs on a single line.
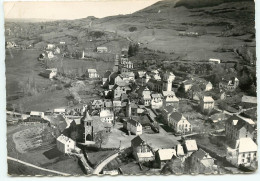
[[101, 138]]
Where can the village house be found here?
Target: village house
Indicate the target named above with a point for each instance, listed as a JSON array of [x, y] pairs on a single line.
[[157, 83], [128, 76], [50, 46], [208, 86], [108, 105], [117, 105], [49, 73], [214, 60], [238, 127], [218, 117], [244, 152], [166, 113], [228, 85], [157, 101], [145, 94], [119, 89], [36, 116], [206, 104], [202, 161], [170, 99], [248, 101], [65, 144], [107, 116], [105, 78], [164, 155], [179, 123], [124, 52], [133, 126], [131, 109], [190, 146], [102, 50], [59, 111], [142, 152], [92, 73]]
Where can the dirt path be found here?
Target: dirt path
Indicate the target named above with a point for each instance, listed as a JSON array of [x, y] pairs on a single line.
[[104, 163], [34, 166]]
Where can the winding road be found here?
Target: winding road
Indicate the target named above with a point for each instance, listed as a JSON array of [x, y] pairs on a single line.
[[99, 168], [34, 166]]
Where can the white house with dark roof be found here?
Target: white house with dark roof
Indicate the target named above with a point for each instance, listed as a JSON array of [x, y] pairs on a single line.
[[92, 73], [164, 155], [102, 50], [206, 103], [65, 144], [244, 152], [142, 152], [179, 123], [36, 116], [134, 126], [157, 101], [106, 116], [190, 146]]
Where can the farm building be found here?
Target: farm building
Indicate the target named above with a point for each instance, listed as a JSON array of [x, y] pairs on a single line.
[[92, 73], [49, 73], [65, 144], [36, 116], [102, 49]]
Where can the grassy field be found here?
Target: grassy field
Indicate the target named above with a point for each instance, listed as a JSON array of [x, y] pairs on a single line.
[[46, 156], [95, 157]]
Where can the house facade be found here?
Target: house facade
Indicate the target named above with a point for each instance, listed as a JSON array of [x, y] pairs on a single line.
[[92, 73], [244, 153], [206, 103], [65, 144], [134, 127], [157, 101], [107, 116], [142, 152], [36, 116], [238, 127], [179, 123]]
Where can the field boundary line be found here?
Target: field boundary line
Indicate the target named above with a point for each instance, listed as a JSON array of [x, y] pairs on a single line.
[[37, 167]]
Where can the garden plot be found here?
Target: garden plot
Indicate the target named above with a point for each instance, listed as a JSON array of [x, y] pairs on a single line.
[[28, 139]]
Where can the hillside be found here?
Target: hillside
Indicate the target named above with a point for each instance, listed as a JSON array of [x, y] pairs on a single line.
[[167, 26]]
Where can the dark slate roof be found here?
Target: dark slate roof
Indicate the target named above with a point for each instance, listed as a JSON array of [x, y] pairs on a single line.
[[199, 154], [176, 116], [137, 141], [107, 73], [240, 124]]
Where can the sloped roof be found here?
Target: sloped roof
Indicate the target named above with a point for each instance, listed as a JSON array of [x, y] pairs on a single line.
[[168, 93], [191, 145], [168, 109], [156, 95], [200, 154], [137, 141], [176, 116], [107, 73], [92, 71], [166, 154], [133, 122], [106, 113], [246, 145], [208, 99], [249, 99], [239, 122]]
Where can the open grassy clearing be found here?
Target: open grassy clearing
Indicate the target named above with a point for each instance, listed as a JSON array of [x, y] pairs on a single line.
[[46, 155]]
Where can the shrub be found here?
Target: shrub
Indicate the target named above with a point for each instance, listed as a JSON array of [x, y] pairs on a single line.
[[132, 29]]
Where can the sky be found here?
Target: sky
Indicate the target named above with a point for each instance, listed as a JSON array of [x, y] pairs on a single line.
[[72, 10]]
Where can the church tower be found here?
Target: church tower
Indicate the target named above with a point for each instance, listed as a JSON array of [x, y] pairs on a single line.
[[88, 125], [168, 78]]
